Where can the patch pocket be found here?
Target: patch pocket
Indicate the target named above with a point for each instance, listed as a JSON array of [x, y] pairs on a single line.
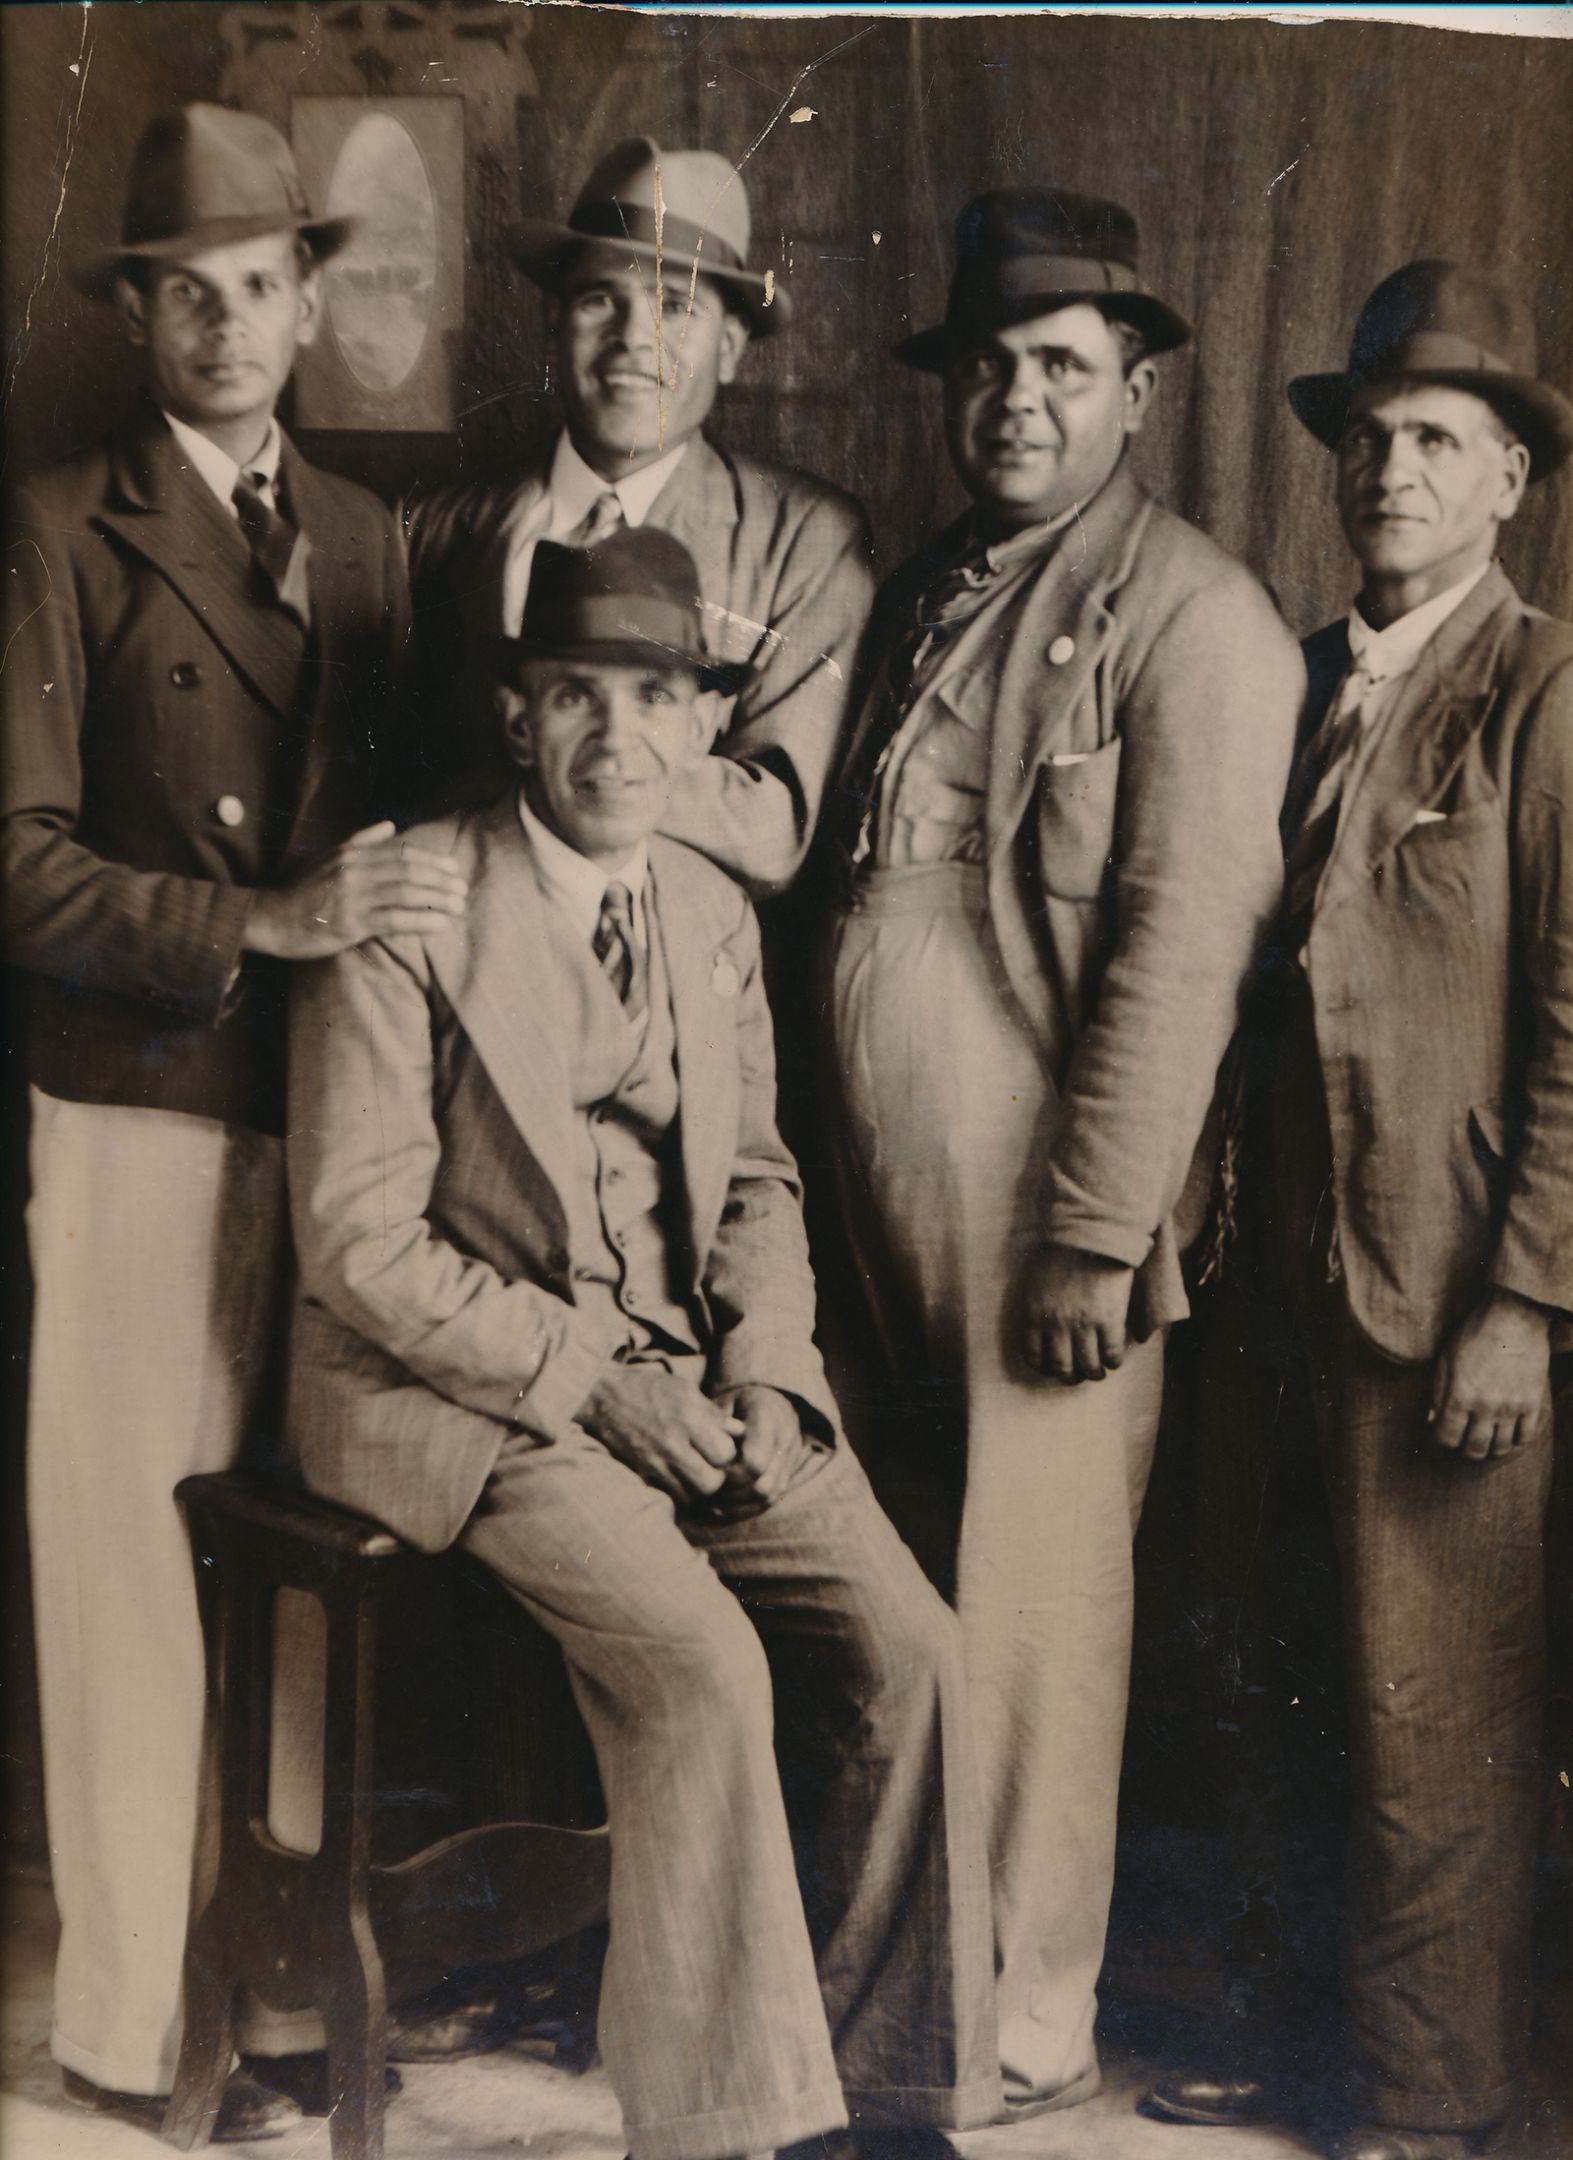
[[1077, 796]]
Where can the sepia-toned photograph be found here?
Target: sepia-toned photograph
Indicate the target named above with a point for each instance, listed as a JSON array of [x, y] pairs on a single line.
[[786, 1241]]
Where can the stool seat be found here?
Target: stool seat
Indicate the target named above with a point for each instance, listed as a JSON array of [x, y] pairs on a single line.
[[328, 1930]]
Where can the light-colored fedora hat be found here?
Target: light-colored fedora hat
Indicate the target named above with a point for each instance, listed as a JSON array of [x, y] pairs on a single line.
[[1441, 322], [689, 207], [206, 177]]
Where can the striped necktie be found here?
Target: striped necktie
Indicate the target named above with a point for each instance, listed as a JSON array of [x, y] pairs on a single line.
[[604, 517], [275, 547], [618, 952]]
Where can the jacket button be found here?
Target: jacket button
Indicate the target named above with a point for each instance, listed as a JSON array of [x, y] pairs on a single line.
[[185, 675], [1061, 650], [230, 811], [559, 1260]]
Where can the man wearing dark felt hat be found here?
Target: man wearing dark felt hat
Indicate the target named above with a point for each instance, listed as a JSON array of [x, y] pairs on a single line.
[[556, 1309], [1417, 1085], [1060, 815], [201, 642], [653, 308]]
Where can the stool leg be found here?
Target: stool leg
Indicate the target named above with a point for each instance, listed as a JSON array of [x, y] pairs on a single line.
[[206, 2048], [356, 2020]]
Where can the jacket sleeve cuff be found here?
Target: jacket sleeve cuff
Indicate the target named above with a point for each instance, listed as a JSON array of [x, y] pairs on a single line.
[[553, 1400], [1107, 1240]]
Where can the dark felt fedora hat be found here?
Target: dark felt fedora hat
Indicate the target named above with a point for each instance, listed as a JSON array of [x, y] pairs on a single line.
[[689, 208], [632, 598], [1025, 251], [206, 177], [1441, 322]]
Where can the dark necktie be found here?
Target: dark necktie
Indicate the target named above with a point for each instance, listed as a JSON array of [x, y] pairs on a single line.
[[617, 952], [277, 549]]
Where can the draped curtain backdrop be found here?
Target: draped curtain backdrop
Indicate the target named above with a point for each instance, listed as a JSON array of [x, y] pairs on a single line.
[[1278, 171]]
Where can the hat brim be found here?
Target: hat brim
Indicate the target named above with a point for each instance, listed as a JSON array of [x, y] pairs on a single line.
[[1540, 416], [542, 251], [1161, 327], [95, 275], [727, 677]]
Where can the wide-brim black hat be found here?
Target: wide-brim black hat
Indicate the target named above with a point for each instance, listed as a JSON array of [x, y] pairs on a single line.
[[206, 177], [1444, 323], [631, 600], [1027, 251], [686, 209]]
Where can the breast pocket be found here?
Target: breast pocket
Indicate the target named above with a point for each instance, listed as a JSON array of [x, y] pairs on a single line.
[[1077, 798]]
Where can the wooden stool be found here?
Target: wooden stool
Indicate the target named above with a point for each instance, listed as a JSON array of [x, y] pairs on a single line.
[[330, 1930]]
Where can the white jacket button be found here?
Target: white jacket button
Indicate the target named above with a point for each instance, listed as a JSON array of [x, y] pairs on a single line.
[[1061, 650], [230, 811]]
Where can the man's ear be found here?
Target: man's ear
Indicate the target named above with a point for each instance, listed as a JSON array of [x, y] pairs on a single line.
[[133, 311], [514, 709], [1515, 478], [1140, 384], [735, 334], [309, 320]]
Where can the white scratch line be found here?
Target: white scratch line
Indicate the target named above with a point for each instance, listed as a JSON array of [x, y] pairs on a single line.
[[1288, 169], [51, 237], [757, 629]]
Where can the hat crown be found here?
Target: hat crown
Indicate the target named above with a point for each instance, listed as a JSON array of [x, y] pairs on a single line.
[[1010, 223], [638, 588], [1417, 312], [205, 166], [694, 196]]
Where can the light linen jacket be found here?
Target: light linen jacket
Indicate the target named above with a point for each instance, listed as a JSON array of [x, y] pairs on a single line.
[[1440, 959], [785, 578], [1140, 740], [430, 1111]]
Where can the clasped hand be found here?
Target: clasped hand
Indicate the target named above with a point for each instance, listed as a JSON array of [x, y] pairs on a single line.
[[1075, 1313], [377, 885], [1492, 1378], [746, 1442]]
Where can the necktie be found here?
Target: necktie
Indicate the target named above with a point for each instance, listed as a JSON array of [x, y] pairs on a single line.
[[604, 516], [1333, 749], [276, 547], [617, 952]]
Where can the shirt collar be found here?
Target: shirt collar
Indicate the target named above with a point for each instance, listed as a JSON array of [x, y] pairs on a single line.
[[577, 884], [574, 486], [1381, 654], [217, 468]]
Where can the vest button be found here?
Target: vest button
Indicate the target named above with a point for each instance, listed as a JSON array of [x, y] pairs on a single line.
[[185, 675], [230, 811]]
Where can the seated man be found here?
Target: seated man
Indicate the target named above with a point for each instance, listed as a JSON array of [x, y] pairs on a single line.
[[556, 1307]]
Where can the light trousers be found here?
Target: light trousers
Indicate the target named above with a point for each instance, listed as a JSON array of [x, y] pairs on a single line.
[[157, 1243], [949, 1118]]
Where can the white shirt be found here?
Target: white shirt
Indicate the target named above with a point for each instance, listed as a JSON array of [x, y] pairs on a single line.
[[572, 490], [1387, 656], [578, 885], [218, 469]]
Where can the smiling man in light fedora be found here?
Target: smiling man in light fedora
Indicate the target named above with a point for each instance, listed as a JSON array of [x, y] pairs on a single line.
[[654, 307], [1419, 1092], [201, 644], [1061, 817]]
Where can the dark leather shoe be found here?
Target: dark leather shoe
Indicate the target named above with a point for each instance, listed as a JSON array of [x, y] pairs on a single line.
[[1375, 2141], [302, 2080], [419, 2033], [1214, 2101], [248, 2111]]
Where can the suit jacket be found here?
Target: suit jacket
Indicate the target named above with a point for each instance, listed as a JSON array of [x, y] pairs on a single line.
[[169, 741], [429, 1104], [1440, 960], [784, 574], [1139, 744]]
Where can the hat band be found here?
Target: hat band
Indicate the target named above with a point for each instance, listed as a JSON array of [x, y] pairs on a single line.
[[668, 233], [1019, 277], [1433, 352], [621, 619]]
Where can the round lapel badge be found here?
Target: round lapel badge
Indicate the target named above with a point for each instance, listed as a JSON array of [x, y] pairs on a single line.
[[725, 981]]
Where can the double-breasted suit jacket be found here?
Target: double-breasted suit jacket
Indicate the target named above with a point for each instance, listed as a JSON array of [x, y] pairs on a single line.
[[1140, 738], [1440, 962], [784, 576], [430, 1108], [168, 744]]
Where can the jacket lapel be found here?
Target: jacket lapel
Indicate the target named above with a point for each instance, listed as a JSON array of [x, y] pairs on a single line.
[[1423, 738], [698, 506], [336, 570], [1042, 683], [172, 519], [706, 1065], [490, 973]]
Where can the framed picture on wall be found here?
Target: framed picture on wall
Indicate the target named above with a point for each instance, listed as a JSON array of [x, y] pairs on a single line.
[[394, 294]]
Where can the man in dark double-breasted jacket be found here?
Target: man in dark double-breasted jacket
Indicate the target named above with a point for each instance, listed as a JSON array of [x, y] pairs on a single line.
[[201, 641]]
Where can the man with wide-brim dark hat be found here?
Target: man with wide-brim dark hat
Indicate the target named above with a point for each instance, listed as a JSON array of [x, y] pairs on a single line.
[[556, 1310], [1419, 1082], [1060, 817], [202, 641], [653, 305]]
